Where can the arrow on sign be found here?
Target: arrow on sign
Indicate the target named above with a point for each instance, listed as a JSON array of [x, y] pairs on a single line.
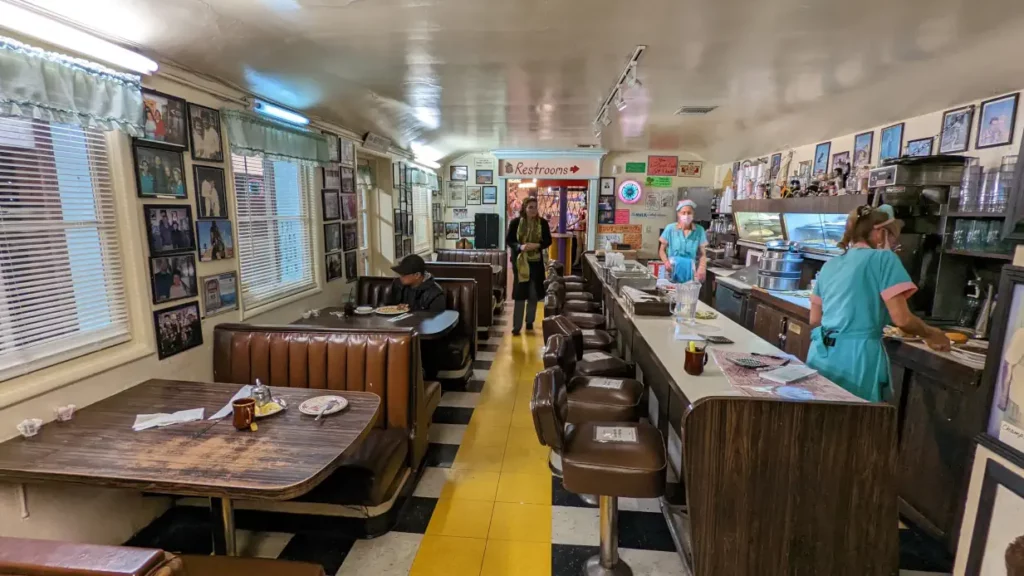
[[574, 169]]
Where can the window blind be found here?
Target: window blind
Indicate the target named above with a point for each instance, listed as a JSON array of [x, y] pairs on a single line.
[[61, 289], [421, 218], [275, 222]]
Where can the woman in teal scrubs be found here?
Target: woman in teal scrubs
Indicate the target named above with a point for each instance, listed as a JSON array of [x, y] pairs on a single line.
[[682, 246], [857, 294]]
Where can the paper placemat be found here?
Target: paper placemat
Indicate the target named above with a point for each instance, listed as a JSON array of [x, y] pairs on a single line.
[[750, 383]]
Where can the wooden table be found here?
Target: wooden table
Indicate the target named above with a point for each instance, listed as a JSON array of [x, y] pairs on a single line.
[[285, 458], [429, 326]]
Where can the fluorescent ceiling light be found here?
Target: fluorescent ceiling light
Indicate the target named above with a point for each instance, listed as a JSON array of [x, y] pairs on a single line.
[[424, 152], [59, 34], [278, 113]]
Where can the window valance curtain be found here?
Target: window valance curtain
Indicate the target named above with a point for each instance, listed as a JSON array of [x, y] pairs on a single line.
[[250, 135], [42, 85]]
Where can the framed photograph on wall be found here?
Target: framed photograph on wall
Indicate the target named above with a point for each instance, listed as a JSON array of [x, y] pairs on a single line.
[[348, 152], [467, 229], [607, 187], [334, 266], [841, 160], [333, 147], [177, 329], [490, 194], [862, 149], [451, 230], [348, 180], [920, 147], [332, 237], [992, 531], [484, 177], [348, 207], [349, 239], [331, 204], [459, 173], [215, 240], [332, 177], [204, 128], [352, 266], [211, 192], [473, 195], [159, 171], [457, 194], [164, 118], [996, 121], [891, 142], [168, 228], [776, 165], [955, 135], [173, 277], [821, 152], [220, 293]]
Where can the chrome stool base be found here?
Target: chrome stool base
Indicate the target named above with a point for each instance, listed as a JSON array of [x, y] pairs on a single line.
[[594, 568]]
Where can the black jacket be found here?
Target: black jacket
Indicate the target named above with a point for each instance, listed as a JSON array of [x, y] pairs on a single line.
[[428, 296]]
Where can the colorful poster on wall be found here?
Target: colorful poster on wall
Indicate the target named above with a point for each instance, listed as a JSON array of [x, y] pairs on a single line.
[[622, 216], [659, 181], [690, 168], [636, 167], [662, 165], [631, 234]]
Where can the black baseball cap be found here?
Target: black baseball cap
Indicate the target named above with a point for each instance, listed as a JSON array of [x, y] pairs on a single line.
[[411, 264]]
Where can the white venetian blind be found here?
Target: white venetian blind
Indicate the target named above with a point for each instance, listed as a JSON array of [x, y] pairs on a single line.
[[61, 290], [421, 218], [275, 221]]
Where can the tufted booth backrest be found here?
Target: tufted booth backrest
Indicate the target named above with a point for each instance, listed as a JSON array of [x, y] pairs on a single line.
[[484, 276], [499, 257], [459, 293], [386, 363]]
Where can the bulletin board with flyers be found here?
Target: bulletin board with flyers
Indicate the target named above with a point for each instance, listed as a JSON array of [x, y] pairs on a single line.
[[631, 234]]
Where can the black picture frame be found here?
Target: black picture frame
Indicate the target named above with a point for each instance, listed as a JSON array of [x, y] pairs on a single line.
[[330, 201], [225, 249], [181, 240], [333, 266], [181, 265], [948, 148], [484, 177], [606, 186], [184, 330], [913, 147], [996, 475], [349, 207], [332, 237], [821, 152], [214, 207], [467, 229], [213, 295], [351, 266], [490, 194], [1015, 98], [173, 106], [348, 180], [775, 166], [474, 195], [458, 173], [349, 237], [333, 147], [331, 177], [881, 142], [451, 230], [201, 149], [861, 153], [146, 151]]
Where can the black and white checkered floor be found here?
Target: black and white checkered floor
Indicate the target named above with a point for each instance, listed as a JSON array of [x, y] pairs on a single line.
[[485, 504]]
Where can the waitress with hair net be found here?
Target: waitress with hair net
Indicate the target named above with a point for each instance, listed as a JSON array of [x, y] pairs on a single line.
[[682, 245], [857, 294]]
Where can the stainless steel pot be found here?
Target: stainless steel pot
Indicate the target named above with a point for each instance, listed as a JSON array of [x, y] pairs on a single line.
[[779, 266], [778, 282]]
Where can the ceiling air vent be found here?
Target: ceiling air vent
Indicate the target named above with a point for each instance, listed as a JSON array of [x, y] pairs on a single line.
[[694, 110]]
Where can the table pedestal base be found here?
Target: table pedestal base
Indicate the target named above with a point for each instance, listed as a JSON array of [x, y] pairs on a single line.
[[222, 521]]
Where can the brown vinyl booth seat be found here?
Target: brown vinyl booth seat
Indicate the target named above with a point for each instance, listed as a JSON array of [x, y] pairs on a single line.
[[484, 276], [386, 363], [459, 345], [486, 256], [23, 557]]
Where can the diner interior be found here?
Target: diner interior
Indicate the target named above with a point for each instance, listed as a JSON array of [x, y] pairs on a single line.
[[275, 299]]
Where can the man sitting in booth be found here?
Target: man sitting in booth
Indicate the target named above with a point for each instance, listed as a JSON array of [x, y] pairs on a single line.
[[415, 287]]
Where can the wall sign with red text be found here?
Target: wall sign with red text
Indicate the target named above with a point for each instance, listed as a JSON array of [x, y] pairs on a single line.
[[690, 168], [662, 165]]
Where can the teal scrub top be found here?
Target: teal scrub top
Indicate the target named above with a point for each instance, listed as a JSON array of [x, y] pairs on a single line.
[[682, 249], [853, 289]]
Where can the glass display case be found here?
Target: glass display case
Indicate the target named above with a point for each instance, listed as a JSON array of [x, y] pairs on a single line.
[[815, 231], [758, 227]]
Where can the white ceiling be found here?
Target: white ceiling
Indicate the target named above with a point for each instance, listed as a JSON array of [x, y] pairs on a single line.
[[463, 75]]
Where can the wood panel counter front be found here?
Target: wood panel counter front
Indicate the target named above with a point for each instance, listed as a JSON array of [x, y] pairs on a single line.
[[773, 486]]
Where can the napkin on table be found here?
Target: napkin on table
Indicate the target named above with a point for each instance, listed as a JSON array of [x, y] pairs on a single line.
[[147, 421]]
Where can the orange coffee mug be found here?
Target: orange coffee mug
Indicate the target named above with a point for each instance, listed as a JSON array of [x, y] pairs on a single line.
[[694, 362], [245, 412]]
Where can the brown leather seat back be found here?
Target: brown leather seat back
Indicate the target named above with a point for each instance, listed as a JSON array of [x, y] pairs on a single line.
[[385, 362], [561, 325], [460, 296], [45, 557], [484, 277], [549, 406], [486, 256], [558, 352]]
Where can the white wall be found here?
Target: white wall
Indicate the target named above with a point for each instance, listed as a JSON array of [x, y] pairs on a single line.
[[86, 514], [927, 125], [656, 208], [470, 160]]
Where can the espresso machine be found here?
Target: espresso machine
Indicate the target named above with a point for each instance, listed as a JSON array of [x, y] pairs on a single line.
[[918, 189]]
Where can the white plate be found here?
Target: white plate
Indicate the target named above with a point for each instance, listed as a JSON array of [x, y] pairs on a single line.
[[362, 310], [313, 406], [390, 313], [282, 406]]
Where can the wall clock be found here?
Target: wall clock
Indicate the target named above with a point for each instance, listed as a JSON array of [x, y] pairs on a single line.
[[630, 191]]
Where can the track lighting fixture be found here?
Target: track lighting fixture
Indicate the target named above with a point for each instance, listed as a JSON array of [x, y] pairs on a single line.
[[620, 102]]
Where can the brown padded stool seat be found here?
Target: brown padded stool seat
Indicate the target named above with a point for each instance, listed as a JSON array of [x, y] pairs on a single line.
[[575, 287], [591, 398], [607, 365], [590, 320], [581, 306], [629, 469], [582, 340], [235, 566], [584, 296], [576, 279], [597, 340]]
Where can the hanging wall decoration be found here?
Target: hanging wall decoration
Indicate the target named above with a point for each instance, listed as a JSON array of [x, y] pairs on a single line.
[[630, 191], [892, 142], [955, 135], [996, 121], [662, 165]]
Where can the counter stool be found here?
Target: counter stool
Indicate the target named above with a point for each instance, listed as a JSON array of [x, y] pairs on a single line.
[[585, 320], [631, 467], [559, 269], [574, 305], [584, 295], [592, 398], [588, 339]]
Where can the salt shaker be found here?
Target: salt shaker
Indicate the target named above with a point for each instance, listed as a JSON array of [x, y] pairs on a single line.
[[261, 393]]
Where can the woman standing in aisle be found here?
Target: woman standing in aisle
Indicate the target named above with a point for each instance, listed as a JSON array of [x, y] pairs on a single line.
[[857, 294], [682, 245], [528, 236]]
